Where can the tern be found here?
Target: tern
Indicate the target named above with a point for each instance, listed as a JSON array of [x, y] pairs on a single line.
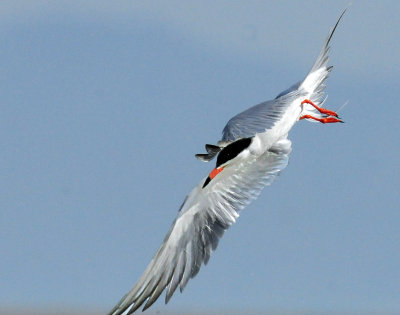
[[253, 150]]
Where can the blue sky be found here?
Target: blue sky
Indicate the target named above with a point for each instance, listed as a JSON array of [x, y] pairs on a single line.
[[103, 106]]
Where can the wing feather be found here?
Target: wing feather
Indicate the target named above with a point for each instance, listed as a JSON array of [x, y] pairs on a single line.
[[264, 116], [201, 222], [261, 117]]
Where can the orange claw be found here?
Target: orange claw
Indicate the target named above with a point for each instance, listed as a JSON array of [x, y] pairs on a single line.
[[326, 120], [321, 110]]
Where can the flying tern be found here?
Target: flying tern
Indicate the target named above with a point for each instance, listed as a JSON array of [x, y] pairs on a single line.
[[253, 150]]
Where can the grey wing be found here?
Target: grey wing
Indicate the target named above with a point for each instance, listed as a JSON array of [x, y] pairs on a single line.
[[261, 117], [322, 63], [323, 57], [201, 222]]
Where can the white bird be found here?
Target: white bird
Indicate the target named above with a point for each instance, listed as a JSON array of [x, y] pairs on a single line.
[[253, 150]]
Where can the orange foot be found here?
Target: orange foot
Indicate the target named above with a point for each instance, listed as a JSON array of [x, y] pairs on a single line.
[[321, 110], [325, 120]]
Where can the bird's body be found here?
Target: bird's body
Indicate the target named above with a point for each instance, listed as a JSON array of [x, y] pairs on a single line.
[[253, 150]]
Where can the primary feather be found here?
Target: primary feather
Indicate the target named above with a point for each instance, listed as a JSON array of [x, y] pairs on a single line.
[[201, 222]]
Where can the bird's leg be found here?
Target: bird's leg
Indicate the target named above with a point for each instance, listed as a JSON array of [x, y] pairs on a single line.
[[321, 110], [325, 120], [332, 117]]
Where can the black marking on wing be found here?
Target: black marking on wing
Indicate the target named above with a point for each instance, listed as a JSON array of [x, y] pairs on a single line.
[[232, 150]]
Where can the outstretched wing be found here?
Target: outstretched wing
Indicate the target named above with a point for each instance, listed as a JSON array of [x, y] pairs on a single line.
[[202, 220], [314, 82], [262, 117]]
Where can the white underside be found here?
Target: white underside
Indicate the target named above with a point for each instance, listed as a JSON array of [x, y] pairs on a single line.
[[264, 141]]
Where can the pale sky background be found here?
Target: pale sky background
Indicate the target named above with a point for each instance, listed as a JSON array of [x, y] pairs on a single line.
[[103, 105]]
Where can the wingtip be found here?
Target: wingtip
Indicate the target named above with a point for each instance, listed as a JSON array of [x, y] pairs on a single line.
[[168, 295], [337, 23], [145, 307]]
